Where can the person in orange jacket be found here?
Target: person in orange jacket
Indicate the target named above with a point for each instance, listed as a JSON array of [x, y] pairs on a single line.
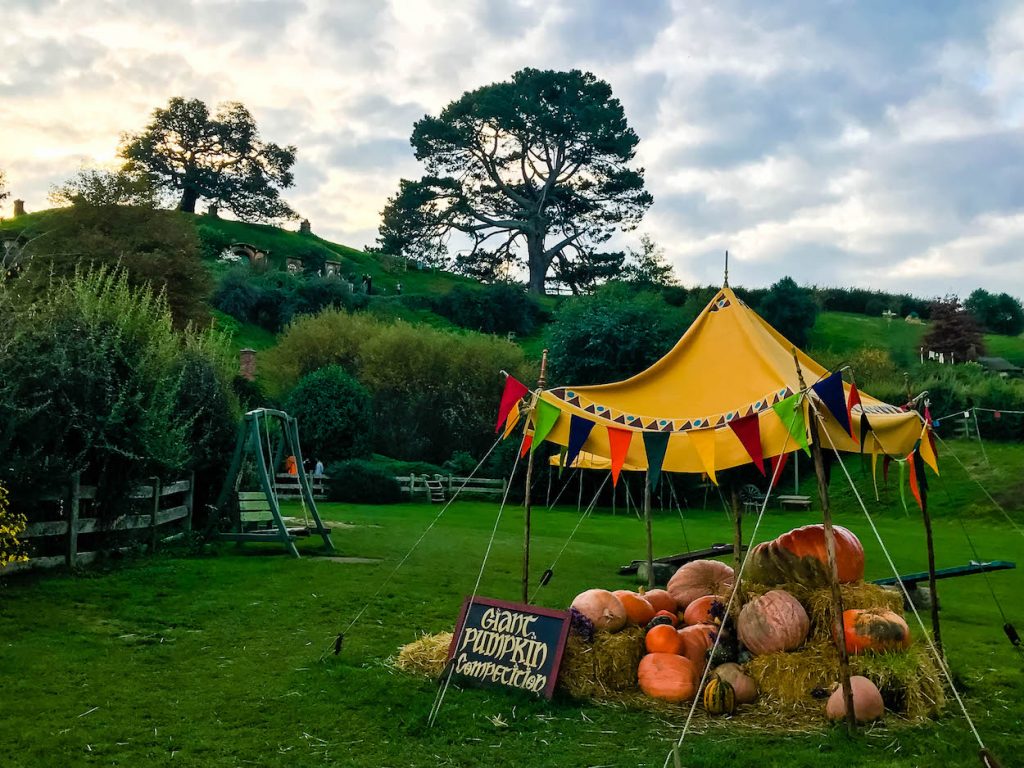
[[291, 466]]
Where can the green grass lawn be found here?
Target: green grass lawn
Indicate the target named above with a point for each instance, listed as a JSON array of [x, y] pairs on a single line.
[[215, 660]]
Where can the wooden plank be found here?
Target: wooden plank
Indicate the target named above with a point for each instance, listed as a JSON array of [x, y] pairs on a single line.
[[177, 487], [141, 492], [165, 516], [254, 505], [272, 535], [35, 562], [251, 495], [47, 528], [478, 480], [123, 523], [255, 517]]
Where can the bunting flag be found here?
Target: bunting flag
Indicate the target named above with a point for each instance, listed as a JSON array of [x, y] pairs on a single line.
[[543, 421], [791, 411], [618, 442], [865, 427], [830, 391], [927, 449], [579, 431], [655, 446], [903, 484], [915, 485], [780, 462], [921, 480], [510, 423], [515, 390], [885, 468], [748, 430], [704, 443], [874, 472], [851, 400], [527, 443], [561, 460]]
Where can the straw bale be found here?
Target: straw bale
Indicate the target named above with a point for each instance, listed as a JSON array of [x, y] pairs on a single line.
[[426, 656], [592, 670]]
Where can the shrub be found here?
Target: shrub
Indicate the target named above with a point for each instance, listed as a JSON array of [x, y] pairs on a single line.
[[362, 482], [212, 241], [790, 309], [272, 299], [499, 308], [12, 525], [335, 415]]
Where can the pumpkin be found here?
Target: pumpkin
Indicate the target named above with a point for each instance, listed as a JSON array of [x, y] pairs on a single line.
[[638, 610], [659, 620], [670, 615], [867, 701], [700, 610], [775, 621], [800, 557], [874, 630], [663, 639], [697, 641], [660, 599], [699, 578], [667, 676], [604, 609], [719, 697], [743, 685]]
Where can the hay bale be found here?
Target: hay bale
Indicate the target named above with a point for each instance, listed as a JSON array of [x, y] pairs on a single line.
[[426, 656], [818, 601], [602, 668], [909, 680]]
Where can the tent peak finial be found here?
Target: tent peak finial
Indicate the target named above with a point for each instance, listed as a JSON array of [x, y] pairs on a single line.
[[725, 282]]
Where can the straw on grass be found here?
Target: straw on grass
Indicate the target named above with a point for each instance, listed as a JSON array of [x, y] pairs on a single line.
[[426, 656]]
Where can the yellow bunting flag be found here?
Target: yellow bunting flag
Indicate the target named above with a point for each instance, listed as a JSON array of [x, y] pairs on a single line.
[[927, 450], [510, 422], [704, 443]]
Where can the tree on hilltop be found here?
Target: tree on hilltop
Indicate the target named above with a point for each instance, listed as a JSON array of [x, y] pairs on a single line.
[[954, 329], [535, 170], [219, 158]]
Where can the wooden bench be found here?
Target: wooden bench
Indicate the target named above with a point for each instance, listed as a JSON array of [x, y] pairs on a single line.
[[256, 517], [801, 502]]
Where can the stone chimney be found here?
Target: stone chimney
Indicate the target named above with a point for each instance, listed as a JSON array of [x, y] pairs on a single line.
[[304, 227], [247, 364], [19, 208]]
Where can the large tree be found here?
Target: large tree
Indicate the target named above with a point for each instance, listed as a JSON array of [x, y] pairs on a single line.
[[954, 330], [535, 170], [1000, 313], [789, 309], [219, 158]]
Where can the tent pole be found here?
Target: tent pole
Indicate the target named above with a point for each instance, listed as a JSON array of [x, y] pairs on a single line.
[[579, 501], [526, 502], [936, 633], [737, 540], [650, 539], [547, 501], [833, 567]]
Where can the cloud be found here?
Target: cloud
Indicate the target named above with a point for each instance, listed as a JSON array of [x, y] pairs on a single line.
[[840, 143]]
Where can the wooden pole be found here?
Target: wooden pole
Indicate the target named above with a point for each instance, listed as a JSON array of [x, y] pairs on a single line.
[[737, 538], [650, 538], [936, 632], [74, 489], [833, 567], [527, 507]]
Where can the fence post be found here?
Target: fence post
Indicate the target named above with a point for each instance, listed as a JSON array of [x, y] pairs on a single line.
[[71, 556], [152, 517], [190, 500], [450, 485], [504, 486]]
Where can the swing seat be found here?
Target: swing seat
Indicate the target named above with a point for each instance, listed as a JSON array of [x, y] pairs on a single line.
[[255, 516]]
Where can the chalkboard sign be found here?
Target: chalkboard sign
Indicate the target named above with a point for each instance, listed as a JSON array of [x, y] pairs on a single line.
[[509, 644]]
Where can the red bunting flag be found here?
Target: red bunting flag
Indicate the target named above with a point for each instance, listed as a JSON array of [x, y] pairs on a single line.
[[515, 390], [748, 430], [618, 442], [527, 442], [778, 465], [852, 399], [914, 485]]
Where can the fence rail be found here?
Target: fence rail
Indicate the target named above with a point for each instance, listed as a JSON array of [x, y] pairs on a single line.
[[288, 486], [74, 524], [413, 484]]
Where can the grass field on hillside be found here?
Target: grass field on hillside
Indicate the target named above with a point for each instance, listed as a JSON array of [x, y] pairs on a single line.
[[215, 660]]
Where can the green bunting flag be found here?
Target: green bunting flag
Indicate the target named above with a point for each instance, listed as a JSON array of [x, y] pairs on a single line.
[[544, 420], [903, 485], [791, 411], [655, 445]]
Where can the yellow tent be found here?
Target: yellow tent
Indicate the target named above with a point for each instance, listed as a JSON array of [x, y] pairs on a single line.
[[729, 364], [589, 461]]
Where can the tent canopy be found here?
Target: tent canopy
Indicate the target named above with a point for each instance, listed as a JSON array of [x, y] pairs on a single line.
[[587, 460], [729, 364]]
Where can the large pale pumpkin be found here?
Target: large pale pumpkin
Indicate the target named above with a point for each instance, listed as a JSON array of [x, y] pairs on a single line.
[[867, 701], [638, 610], [668, 677], [773, 622], [742, 683], [869, 630], [702, 610], [604, 609], [697, 641], [800, 557], [699, 578]]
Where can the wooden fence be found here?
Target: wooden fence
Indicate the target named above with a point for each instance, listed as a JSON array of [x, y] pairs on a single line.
[[288, 486], [413, 484], [163, 510]]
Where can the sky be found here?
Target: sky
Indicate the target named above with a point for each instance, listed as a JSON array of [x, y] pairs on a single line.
[[877, 144]]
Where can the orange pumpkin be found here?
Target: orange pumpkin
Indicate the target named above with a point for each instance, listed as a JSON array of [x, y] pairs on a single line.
[[775, 621], [699, 611], [668, 677], [602, 608], [662, 639], [661, 600], [670, 615], [638, 610], [880, 631], [697, 641], [800, 557], [699, 578]]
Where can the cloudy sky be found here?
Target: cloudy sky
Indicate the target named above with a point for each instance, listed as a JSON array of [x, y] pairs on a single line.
[[869, 143]]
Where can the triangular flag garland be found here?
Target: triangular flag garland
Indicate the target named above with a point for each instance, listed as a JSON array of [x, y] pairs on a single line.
[[915, 485], [780, 462], [561, 459], [527, 443], [618, 443], [655, 446], [748, 431], [791, 411], [852, 399], [927, 449], [510, 422], [830, 391], [865, 427], [917, 467], [515, 390], [579, 431], [704, 443], [874, 472], [543, 421], [903, 485]]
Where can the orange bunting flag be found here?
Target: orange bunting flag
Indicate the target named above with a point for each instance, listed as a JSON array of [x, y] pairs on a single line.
[[915, 487], [510, 423], [851, 400], [927, 449], [618, 443], [704, 443], [515, 390]]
